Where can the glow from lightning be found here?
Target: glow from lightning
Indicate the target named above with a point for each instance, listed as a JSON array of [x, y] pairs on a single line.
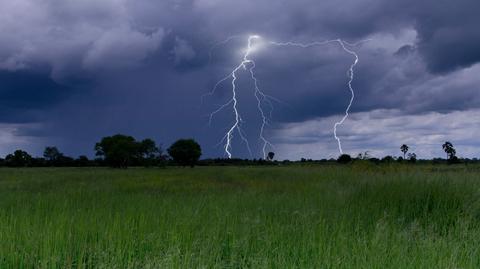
[[249, 65], [221, 43]]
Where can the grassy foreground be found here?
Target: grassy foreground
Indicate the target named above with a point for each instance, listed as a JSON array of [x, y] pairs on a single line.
[[359, 216]]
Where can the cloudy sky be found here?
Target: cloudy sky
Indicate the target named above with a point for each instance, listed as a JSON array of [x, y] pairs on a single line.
[[72, 71]]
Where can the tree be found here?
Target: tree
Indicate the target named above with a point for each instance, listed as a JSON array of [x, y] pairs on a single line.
[[404, 149], [363, 156], [149, 152], [118, 151], [344, 159], [82, 161], [412, 157], [185, 152], [52, 155], [148, 148], [270, 156], [19, 158], [387, 159], [449, 150]]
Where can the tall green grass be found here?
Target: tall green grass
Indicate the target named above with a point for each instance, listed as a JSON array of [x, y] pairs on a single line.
[[360, 216]]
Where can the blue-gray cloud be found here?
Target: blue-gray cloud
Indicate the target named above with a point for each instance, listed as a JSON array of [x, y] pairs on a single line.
[[83, 69]]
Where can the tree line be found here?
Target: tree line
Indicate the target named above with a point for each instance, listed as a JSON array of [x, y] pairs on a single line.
[[118, 151], [122, 151], [410, 157]]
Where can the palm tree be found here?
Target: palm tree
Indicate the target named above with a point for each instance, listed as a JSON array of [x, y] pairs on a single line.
[[404, 149], [449, 149]]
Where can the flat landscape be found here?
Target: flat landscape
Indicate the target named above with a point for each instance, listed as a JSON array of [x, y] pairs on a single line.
[[317, 216]]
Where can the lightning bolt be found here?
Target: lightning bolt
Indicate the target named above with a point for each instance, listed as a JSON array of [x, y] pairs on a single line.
[[350, 74], [246, 64], [262, 98]]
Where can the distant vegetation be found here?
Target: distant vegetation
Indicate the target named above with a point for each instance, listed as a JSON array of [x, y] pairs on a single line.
[[185, 152], [122, 151]]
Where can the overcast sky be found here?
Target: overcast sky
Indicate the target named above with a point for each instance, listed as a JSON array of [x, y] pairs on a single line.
[[72, 71]]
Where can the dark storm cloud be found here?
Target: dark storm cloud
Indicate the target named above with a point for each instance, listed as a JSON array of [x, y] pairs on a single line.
[[89, 68], [448, 33], [447, 30], [23, 94]]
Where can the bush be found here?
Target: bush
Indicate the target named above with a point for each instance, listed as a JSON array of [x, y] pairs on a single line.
[[19, 158], [185, 152], [344, 159]]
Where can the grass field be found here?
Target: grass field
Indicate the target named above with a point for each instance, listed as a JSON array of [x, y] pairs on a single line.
[[359, 216]]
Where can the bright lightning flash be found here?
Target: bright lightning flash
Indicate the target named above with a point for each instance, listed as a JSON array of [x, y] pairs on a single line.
[[246, 64], [249, 65]]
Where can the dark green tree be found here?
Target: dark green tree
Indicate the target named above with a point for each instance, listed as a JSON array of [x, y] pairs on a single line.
[[52, 155], [19, 158], [82, 161], [149, 152], [449, 150], [119, 150], [270, 156], [412, 157], [185, 152], [387, 159], [344, 159], [404, 149]]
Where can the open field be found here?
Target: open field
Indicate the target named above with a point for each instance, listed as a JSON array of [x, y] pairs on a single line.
[[359, 216]]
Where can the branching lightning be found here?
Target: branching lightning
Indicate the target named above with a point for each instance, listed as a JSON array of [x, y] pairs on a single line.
[[261, 98], [245, 64], [249, 65], [350, 74]]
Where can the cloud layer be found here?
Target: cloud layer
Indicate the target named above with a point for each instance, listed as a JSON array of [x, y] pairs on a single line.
[[83, 69], [381, 133]]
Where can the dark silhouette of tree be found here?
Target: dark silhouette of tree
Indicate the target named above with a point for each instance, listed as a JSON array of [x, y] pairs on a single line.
[[412, 157], [19, 158], [82, 161], [344, 159], [118, 151], [185, 152], [270, 156], [149, 152], [363, 156], [404, 149], [51, 153], [387, 159], [53, 156], [148, 148], [449, 150]]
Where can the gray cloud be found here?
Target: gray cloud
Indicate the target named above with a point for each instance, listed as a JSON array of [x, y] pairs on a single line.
[[12, 138], [140, 67], [381, 132], [121, 48], [182, 51], [72, 36]]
